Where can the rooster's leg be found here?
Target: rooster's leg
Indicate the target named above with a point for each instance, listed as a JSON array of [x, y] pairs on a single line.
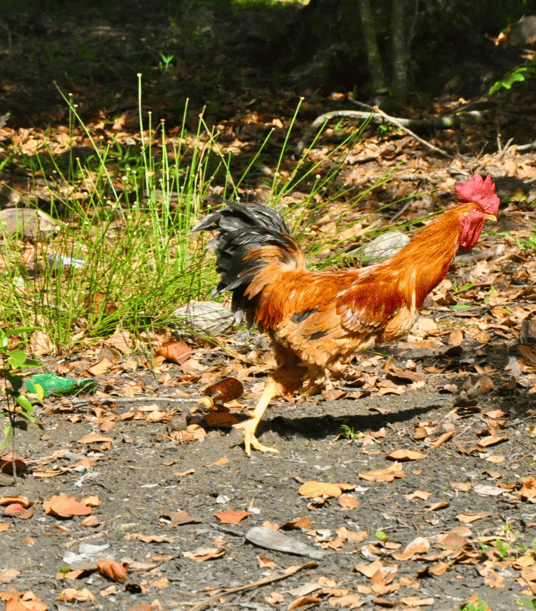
[[249, 426]]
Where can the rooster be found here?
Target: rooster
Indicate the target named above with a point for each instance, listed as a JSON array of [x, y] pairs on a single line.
[[318, 320]]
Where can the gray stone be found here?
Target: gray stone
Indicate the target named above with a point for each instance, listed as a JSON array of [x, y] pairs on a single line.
[[204, 317], [26, 222], [383, 247]]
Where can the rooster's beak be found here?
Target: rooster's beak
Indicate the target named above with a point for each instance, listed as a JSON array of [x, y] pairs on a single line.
[[491, 217]]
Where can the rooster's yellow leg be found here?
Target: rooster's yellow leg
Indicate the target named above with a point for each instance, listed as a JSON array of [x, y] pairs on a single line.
[[249, 426]]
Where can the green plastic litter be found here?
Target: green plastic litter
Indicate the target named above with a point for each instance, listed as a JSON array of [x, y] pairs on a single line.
[[55, 385]]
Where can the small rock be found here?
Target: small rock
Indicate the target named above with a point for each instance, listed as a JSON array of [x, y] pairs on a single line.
[[26, 222], [9, 198], [382, 247], [57, 261], [273, 539], [204, 317]]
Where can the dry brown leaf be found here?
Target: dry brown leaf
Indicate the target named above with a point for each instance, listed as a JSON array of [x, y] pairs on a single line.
[[16, 510], [314, 489], [100, 367], [423, 495], [467, 518], [175, 351], [22, 500], [491, 440], [462, 486], [4, 526], [95, 438], [451, 541], [436, 506], [494, 580], [420, 433], [346, 501], [406, 455], [305, 589], [383, 577], [13, 604], [184, 473], [388, 474], [64, 506], [71, 595], [303, 601], [161, 583], [456, 337], [415, 601], [8, 575], [266, 563], [148, 538], [524, 562], [192, 433], [231, 516], [370, 569], [420, 545], [220, 462], [112, 590], [275, 598], [116, 571], [6, 464], [350, 601], [529, 575], [202, 554], [442, 439], [92, 500], [440, 568], [40, 343], [297, 523], [122, 341], [424, 327], [180, 517], [528, 491]]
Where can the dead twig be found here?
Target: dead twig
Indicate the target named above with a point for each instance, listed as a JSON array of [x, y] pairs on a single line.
[[471, 117], [250, 586], [104, 400], [398, 123]]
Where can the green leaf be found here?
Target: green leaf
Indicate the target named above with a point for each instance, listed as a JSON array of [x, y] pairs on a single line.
[[39, 391], [16, 359], [8, 436], [15, 381], [21, 330], [461, 306], [465, 287], [25, 403], [517, 75]]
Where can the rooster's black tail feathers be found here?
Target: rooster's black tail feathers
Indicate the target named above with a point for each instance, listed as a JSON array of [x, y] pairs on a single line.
[[242, 229]]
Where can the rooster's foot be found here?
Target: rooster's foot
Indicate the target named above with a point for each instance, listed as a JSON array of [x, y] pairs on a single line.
[[250, 441]]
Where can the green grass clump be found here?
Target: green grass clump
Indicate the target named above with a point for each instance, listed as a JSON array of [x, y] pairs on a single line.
[[124, 212]]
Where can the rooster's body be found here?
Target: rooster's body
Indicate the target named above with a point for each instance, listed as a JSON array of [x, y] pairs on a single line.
[[319, 320]]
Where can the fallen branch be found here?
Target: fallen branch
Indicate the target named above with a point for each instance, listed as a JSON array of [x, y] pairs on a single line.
[[468, 118], [250, 586], [397, 122], [113, 399]]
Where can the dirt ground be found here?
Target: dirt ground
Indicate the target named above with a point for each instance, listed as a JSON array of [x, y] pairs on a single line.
[[429, 530]]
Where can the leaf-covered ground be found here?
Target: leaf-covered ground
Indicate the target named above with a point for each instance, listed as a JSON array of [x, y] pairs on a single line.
[[424, 465]]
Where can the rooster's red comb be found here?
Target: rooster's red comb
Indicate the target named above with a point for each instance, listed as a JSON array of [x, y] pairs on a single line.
[[480, 191]]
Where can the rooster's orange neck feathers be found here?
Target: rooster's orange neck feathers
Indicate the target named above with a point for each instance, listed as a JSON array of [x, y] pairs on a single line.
[[423, 263]]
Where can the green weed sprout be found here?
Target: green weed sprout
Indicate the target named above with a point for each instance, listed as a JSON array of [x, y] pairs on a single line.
[[18, 408]]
